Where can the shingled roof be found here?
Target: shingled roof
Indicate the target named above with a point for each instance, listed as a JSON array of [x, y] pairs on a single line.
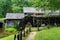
[[14, 15], [31, 10], [55, 13]]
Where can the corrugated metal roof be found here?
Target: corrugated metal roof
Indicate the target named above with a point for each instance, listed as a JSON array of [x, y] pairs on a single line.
[[14, 15]]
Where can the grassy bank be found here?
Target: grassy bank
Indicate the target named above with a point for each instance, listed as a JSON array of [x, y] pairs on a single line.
[[49, 34], [11, 37]]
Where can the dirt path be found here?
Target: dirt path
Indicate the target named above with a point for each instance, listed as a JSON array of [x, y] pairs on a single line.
[[31, 36]]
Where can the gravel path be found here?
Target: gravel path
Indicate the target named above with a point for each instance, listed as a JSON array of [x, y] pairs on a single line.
[[31, 36]]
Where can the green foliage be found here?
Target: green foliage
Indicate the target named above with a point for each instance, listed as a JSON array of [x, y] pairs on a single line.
[[4, 7], [16, 9], [10, 30], [54, 4], [41, 4], [16, 6]]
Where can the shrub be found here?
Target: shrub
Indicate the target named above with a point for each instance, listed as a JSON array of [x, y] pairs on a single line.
[[10, 30]]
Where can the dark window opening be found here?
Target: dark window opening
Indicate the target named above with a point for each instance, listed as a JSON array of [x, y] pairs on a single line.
[[25, 13], [1, 25], [39, 14]]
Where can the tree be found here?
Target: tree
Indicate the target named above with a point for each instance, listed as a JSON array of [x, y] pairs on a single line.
[[4, 7], [54, 4], [41, 4], [17, 5]]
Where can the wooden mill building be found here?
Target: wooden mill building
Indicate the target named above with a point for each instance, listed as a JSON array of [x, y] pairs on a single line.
[[42, 17], [35, 17]]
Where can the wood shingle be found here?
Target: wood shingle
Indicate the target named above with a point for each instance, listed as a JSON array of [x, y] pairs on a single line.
[[14, 15]]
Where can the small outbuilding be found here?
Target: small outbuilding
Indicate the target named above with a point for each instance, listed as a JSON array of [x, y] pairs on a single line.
[[13, 19]]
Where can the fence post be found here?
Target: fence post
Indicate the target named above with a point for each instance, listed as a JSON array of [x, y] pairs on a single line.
[[14, 37], [24, 32], [18, 37]]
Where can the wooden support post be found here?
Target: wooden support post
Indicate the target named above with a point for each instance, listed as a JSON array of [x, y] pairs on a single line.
[[20, 38], [24, 32], [33, 20], [55, 22], [38, 24], [14, 37], [29, 29], [48, 23], [20, 33]]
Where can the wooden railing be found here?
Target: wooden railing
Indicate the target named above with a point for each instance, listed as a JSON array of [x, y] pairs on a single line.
[[17, 36]]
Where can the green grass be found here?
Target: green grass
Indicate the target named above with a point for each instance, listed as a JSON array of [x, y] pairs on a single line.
[[8, 32], [8, 38], [36, 29], [49, 34]]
